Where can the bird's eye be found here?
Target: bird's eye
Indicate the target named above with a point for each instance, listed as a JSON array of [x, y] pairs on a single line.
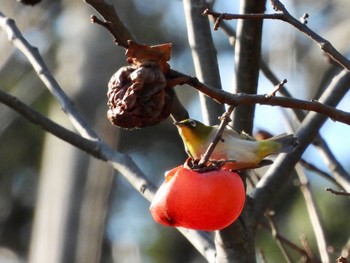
[[193, 123]]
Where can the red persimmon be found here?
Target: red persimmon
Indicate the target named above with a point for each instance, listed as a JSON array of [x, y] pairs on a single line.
[[199, 200]]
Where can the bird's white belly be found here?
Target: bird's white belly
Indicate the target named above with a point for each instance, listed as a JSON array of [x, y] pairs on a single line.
[[236, 150]]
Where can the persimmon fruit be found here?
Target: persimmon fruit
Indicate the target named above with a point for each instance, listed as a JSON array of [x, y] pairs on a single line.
[[198, 200]]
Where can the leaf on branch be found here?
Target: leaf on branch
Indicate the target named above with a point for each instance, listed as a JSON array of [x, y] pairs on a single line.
[[138, 54]]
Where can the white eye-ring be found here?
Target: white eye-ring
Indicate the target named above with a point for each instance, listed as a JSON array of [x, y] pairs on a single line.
[[193, 123]]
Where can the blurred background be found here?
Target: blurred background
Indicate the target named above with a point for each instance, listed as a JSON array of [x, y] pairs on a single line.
[[45, 183]]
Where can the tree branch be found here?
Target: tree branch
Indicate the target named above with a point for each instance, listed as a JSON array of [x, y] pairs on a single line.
[[339, 173], [89, 141], [236, 243], [250, 99], [225, 119], [289, 243], [341, 176], [112, 22], [97, 149], [33, 56], [285, 16], [122, 35], [247, 62], [204, 56], [309, 166], [337, 192], [272, 223], [239, 99], [121, 162], [278, 173], [313, 214]]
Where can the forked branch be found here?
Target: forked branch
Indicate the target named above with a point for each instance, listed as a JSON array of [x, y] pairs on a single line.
[[283, 14]]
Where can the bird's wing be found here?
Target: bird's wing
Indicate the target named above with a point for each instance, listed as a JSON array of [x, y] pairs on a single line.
[[234, 133]]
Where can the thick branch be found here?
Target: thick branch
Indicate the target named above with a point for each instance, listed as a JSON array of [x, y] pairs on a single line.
[[97, 149], [237, 242], [34, 57], [250, 99], [204, 56], [278, 173], [341, 176], [122, 162], [89, 141], [247, 61]]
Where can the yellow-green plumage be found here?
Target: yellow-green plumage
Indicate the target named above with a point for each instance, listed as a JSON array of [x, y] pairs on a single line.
[[245, 151]]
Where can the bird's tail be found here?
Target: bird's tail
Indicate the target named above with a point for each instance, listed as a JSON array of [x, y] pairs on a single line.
[[287, 142], [282, 143]]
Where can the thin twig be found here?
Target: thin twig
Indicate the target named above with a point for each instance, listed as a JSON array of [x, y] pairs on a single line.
[[317, 170], [340, 175], [345, 251], [313, 214], [337, 192], [225, 119], [229, 31], [289, 243], [96, 148], [285, 16], [276, 89], [338, 171], [89, 146], [112, 22], [324, 44], [307, 247], [262, 256], [226, 16], [274, 231]]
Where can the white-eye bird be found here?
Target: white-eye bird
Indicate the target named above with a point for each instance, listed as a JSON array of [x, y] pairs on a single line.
[[241, 150]]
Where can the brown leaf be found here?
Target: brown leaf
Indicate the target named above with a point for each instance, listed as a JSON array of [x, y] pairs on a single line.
[[139, 54]]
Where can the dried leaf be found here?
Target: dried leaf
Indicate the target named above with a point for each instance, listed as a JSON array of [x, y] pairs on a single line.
[[139, 54]]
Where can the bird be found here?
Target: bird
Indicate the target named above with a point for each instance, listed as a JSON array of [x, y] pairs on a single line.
[[237, 150]]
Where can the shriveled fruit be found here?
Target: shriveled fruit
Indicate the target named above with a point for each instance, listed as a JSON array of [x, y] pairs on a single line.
[[139, 95], [203, 201]]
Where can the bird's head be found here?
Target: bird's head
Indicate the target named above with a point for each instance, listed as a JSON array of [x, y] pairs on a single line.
[[193, 132]]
